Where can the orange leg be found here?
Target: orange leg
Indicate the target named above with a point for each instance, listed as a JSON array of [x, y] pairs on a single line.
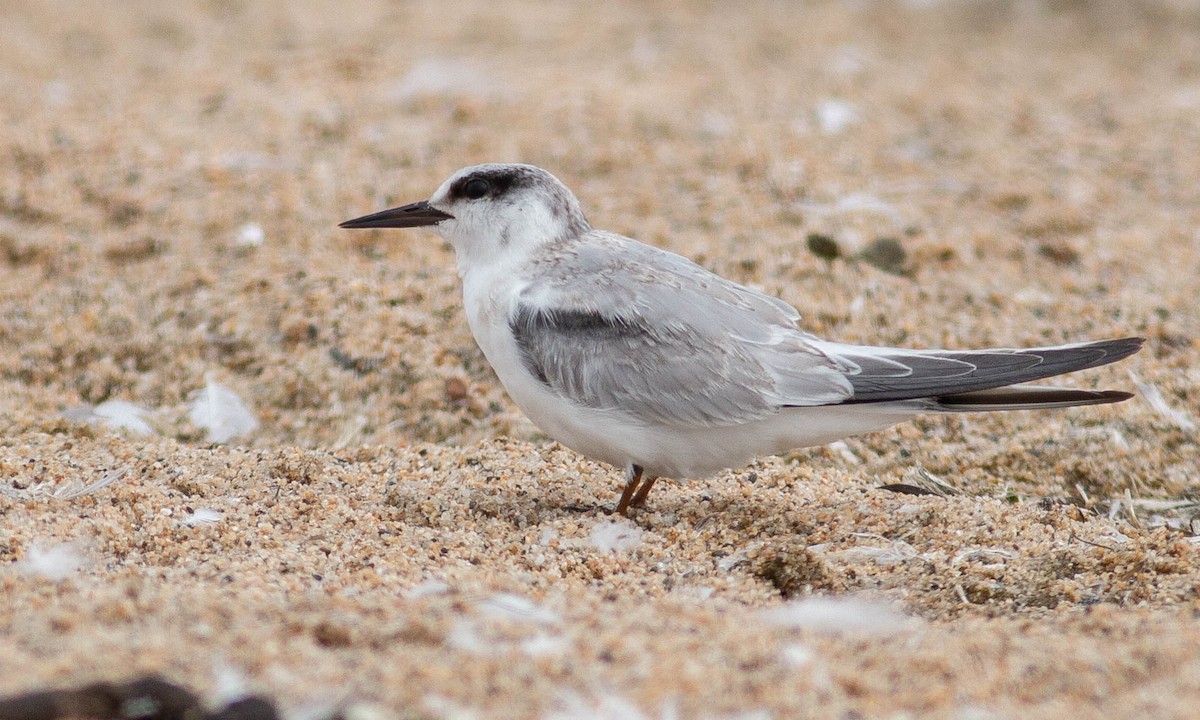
[[639, 498], [633, 495]]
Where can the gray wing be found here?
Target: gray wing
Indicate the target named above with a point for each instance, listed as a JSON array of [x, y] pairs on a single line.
[[880, 374], [610, 323]]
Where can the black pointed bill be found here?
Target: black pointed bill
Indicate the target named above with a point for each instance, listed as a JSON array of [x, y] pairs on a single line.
[[418, 214]]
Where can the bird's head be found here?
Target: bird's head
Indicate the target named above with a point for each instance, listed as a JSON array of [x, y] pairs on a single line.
[[490, 212]]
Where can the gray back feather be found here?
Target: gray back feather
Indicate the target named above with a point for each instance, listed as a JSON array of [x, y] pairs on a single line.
[[610, 323]]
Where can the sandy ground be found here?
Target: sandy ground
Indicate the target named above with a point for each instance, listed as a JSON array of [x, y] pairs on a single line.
[[394, 533]]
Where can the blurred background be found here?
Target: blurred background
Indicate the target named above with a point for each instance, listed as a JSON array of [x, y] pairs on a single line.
[[946, 173], [174, 174]]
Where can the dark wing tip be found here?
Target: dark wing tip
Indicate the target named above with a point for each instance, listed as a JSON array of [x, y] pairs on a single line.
[[1123, 347], [950, 373]]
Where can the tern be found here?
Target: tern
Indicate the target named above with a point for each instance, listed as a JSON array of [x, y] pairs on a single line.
[[642, 359]]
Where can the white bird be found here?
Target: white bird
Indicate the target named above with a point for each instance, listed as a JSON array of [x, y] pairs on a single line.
[[642, 359]]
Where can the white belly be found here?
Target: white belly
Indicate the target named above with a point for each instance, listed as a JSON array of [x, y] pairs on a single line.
[[683, 452]]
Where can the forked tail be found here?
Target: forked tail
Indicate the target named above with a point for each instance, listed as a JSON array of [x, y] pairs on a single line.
[[1026, 397]]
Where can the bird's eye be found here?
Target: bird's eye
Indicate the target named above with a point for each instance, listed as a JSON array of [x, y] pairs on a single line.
[[476, 188]]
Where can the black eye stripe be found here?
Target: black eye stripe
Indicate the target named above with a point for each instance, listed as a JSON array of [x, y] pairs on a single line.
[[489, 182], [476, 188]]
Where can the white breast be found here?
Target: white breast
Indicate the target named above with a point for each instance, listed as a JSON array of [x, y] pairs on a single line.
[[490, 296]]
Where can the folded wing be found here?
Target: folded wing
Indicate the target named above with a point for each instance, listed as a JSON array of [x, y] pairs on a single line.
[[625, 327], [615, 325]]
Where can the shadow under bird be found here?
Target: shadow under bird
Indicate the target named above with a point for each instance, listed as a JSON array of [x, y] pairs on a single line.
[[642, 359]]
